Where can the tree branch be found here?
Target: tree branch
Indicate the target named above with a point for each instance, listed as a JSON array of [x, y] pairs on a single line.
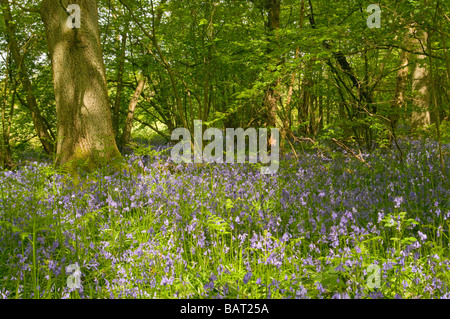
[[343, 146], [34, 9]]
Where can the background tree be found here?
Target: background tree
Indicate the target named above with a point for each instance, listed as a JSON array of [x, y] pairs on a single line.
[[42, 129], [329, 78]]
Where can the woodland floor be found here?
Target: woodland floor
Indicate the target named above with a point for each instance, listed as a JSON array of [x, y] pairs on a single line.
[[323, 226]]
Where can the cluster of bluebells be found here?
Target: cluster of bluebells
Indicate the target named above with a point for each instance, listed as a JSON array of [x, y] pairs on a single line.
[[160, 230]]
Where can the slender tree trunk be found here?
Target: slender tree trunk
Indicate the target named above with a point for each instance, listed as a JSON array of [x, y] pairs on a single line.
[[398, 102], [421, 96], [297, 52], [320, 101], [131, 109], [207, 67], [447, 63], [433, 100], [287, 117], [5, 147], [42, 130], [6, 126], [85, 129], [116, 112], [271, 97], [305, 104], [312, 120], [271, 94]]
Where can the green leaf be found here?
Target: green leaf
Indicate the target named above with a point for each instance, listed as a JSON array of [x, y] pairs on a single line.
[[203, 22]]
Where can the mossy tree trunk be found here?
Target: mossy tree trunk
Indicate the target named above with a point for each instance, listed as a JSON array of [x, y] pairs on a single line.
[[85, 130]]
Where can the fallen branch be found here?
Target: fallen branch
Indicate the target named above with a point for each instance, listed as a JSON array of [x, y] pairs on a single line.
[[304, 139], [358, 157]]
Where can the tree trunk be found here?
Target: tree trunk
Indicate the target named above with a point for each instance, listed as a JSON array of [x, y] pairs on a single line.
[[116, 112], [42, 130], [130, 116], [85, 129], [398, 102], [271, 97], [421, 115], [306, 100], [287, 116], [5, 147], [5, 151], [320, 128], [433, 102]]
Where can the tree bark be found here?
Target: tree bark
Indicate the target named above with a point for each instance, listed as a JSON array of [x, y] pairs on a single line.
[[421, 96], [6, 154], [5, 147], [433, 99], [85, 129], [42, 130], [398, 101], [273, 23], [272, 95], [116, 111], [304, 105], [287, 117], [131, 109]]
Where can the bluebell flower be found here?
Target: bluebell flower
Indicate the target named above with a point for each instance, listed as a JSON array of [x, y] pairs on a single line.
[[247, 277]]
